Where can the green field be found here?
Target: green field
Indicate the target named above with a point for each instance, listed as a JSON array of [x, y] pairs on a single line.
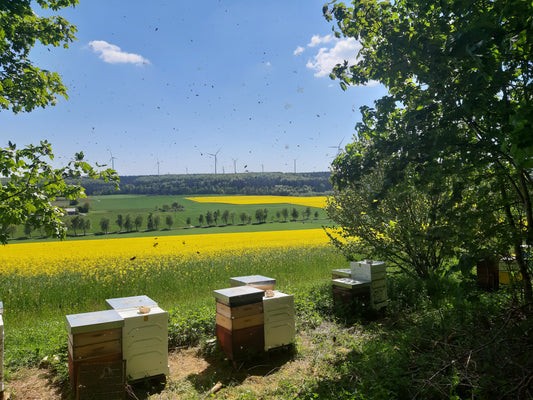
[[110, 206]]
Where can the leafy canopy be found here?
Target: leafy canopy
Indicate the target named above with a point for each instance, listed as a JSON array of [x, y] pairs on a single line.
[[23, 86], [459, 104]]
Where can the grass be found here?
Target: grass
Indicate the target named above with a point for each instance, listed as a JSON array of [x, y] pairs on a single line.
[[443, 339], [110, 206]]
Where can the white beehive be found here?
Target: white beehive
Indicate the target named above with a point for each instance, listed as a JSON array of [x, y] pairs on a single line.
[[279, 319], [130, 302], [1, 350], [257, 281], [145, 341], [376, 273]]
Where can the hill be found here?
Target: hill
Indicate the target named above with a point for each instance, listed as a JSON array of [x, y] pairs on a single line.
[[268, 183]]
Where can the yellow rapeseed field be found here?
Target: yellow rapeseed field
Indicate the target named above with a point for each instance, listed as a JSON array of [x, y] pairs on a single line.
[[90, 256], [316, 201]]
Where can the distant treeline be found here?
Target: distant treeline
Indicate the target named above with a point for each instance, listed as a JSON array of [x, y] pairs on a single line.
[[268, 183]]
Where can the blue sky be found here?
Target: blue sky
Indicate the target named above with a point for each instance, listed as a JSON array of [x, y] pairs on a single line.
[[162, 85]]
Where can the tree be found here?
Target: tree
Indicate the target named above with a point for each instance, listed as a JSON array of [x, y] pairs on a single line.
[[259, 215], [169, 221], [225, 216], [24, 86], [86, 226], [243, 216], [209, 218], [295, 214], [460, 91], [285, 213], [120, 222], [150, 223], [138, 222], [157, 222], [30, 184], [104, 225], [232, 217], [128, 223], [216, 214], [27, 230], [201, 219], [188, 221]]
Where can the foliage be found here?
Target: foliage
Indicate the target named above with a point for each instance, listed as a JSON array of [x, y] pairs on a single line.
[[268, 183], [459, 105], [24, 86], [30, 184]]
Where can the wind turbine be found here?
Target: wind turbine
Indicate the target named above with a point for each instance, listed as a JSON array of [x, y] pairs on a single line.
[[112, 159], [338, 147], [215, 156]]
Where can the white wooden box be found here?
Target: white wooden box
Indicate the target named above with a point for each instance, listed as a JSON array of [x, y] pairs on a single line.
[[368, 270], [257, 281], [145, 342], [279, 320], [130, 302]]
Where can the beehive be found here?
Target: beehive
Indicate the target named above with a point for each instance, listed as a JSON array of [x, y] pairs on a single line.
[[376, 273], [341, 273], [1, 351], [257, 281], [145, 341], [278, 309], [130, 302], [346, 290], [240, 321], [95, 344]]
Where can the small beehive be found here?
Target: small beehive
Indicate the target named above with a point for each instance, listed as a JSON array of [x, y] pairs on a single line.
[[341, 273], [278, 309], [130, 302], [95, 344], [240, 321], [145, 341], [257, 281], [1, 351], [376, 273], [346, 290]]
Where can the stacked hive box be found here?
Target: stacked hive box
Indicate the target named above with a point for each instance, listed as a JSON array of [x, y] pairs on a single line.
[[1, 351], [96, 366], [144, 336], [341, 273], [278, 309], [374, 272], [240, 321], [257, 281], [346, 290]]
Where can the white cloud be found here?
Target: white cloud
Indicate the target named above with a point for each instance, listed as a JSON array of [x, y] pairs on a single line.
[[113, 55], [327, 58], [299, 50], [317, 40]]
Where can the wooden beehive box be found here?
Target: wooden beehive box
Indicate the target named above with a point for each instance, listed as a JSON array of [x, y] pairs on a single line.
[[102, 379], [240, 321], [93, 338], [346, 290], [257, 281]]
